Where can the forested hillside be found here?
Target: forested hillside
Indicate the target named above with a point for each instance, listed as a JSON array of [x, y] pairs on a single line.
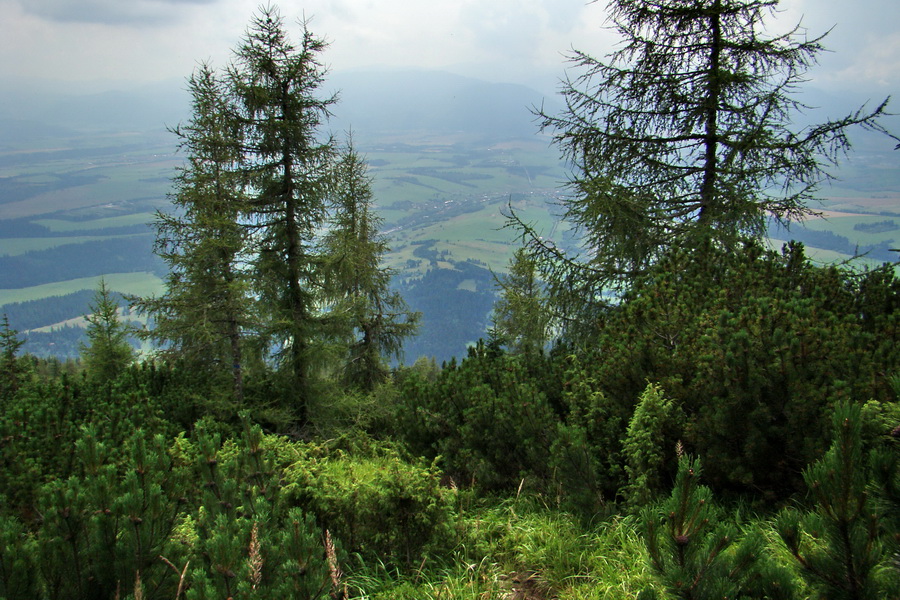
[[653, 403]]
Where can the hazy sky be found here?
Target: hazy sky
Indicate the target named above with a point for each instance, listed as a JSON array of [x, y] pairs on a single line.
[[88, 42]]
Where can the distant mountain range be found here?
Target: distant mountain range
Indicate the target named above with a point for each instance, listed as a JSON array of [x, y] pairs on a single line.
[[385, 103], [374, 104]]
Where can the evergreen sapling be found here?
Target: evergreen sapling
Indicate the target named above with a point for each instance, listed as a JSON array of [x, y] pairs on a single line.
[[837, 546]]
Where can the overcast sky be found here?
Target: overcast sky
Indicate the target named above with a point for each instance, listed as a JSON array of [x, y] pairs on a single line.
[[106, 42]]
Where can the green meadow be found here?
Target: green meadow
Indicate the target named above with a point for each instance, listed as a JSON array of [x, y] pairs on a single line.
[[62, 225], [853, 226], [137, 283], [18, 246]]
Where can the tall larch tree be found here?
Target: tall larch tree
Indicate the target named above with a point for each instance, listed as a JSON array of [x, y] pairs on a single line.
[[287, 164], [372, 319], [685, 135], [205, 315]]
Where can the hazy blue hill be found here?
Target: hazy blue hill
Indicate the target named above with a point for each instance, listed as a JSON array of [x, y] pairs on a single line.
[[376, 103], [15, 131], [373, 103], [131, 109]]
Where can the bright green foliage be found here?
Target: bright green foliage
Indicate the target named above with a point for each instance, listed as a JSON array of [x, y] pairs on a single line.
[[838, 545], [522, 538], [108, 522], [375, 502], [521, 320], [698, 555], [369, 499], [250, 543], [203, 317], [649, 446], [686, 542], [108, 351], [310, 567], [371, 321], [105, 527], [519, 548], [18, 571], [224, 514], [40, 428]]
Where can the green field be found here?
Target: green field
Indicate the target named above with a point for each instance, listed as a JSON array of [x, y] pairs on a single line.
[[77, 180], [61, 225], [140, 284], [17, 246], [828, 257], [846, 225]]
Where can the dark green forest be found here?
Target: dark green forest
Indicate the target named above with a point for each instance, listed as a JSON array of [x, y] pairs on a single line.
[[672, 410]]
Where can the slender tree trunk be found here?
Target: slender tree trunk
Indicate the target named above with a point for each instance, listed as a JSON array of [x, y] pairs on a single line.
[[296, 303], [708, 199], [237, 372]]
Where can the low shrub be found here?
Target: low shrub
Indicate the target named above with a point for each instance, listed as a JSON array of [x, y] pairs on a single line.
[[379, 504]]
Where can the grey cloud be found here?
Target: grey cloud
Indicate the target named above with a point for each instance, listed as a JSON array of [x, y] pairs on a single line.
[[109, 12], [503, 27]]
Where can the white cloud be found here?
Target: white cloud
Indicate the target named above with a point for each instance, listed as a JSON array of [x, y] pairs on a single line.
[[37, 46], [141, 13], [862, 41], [878, 64], [146, 40]]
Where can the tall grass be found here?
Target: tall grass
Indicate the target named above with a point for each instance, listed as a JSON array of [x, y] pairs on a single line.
[[520, 549]]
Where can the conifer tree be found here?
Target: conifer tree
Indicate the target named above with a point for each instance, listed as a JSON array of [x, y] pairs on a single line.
[[644, 445], [683, 134], [520, 319], [108, 351], [275, 84], [10, 371], [18, 571], [254, 280], [205, 314], [838, 546], [697, 554], [373, 319]]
